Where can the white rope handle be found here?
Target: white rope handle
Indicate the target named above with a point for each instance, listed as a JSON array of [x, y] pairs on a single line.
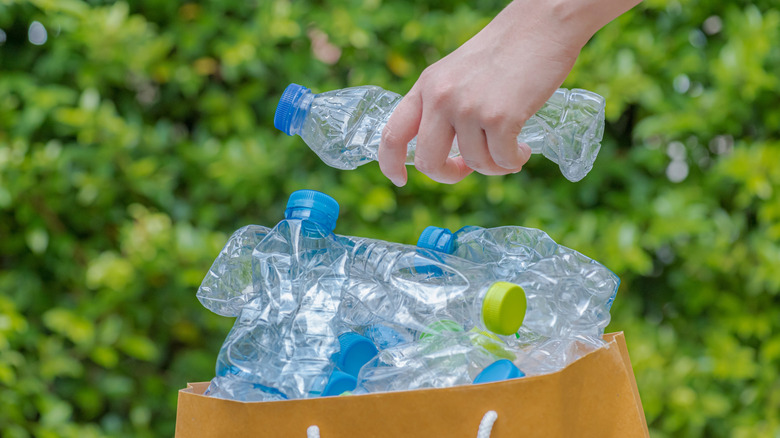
[[485, 426]]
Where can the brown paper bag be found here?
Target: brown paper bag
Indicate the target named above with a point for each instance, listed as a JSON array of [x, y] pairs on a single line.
[[595, 396]]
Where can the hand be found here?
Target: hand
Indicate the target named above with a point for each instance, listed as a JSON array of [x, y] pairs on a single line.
[[483, 93]]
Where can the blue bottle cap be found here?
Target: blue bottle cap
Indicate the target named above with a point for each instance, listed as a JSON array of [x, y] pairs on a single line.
[[288, 106], [385, 337], [502, 369], [314, 206], [437, 239], [356, 351], [338, 383]]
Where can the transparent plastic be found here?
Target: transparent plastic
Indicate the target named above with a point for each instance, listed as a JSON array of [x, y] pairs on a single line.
[[568, 293], [344, 127], [456, 359], [297, 287], [228, 285], [402, 285], [435, 362], [283, 340]]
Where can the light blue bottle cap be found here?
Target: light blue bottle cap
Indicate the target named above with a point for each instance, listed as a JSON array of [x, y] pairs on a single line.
[[385, 337], [502, 369], [287, 107], [338, 383], [314, 206], [437, 239], [356, 351]]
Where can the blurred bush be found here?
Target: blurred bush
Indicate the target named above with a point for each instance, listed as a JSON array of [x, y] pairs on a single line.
[[136, 136]]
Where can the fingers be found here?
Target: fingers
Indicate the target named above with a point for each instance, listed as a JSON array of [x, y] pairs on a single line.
[[399, 131], [434, 142], [487, 138], [476, 151], [503, 147]]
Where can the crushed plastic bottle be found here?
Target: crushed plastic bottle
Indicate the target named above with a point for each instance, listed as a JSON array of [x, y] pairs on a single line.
[[437, 361], [228, 285], [344, 127], [512, 248], [283, 340], [568, 293], [401, 285]]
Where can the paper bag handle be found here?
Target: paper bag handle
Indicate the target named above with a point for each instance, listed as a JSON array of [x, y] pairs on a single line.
[[484, 430]]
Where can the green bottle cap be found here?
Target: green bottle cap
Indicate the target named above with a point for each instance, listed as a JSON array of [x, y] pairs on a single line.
[[503, 308]]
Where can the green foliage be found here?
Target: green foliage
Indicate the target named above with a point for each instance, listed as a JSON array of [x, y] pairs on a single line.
[[139, 136]]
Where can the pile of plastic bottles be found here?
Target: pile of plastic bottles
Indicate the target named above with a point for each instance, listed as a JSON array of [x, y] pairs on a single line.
[[321, 314]]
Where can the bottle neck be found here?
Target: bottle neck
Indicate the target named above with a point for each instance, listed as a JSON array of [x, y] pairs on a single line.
[[312, 215], [301, 108]]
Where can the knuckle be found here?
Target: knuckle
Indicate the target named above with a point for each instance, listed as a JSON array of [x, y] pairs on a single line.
[[471, 164], [390, 138], [507, 164], [427, 73], [475, 164], [503, 121], [516, 125], [508, 157], [425, 166], [467, 111], [494, 120], [441, 95]]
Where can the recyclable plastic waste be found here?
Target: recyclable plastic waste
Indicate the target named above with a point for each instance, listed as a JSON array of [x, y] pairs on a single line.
[[228, 286], [568, 293], [320, 314], [344, 127], [284, 338]]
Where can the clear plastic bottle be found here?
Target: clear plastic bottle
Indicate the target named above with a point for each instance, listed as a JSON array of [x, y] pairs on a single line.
[[511, 247], [344, 127], [568, 293], [284, 338], [411, 288], [228, 285], [438, 361]]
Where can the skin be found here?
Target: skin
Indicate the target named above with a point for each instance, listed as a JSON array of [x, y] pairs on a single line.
[[483, 92]]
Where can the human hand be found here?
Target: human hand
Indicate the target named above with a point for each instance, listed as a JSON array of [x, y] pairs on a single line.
[[484, 92]]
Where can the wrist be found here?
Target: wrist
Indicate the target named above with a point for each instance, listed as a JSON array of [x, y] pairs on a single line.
[[576, 21]]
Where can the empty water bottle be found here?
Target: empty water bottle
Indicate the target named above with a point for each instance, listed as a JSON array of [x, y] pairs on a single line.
[[284, 337], [344, 127], [401, 285], [228, 285], [510, 248], [437, 361], [568, 293]]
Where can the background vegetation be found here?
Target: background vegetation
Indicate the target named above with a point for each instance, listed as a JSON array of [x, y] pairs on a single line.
[[136, 136]]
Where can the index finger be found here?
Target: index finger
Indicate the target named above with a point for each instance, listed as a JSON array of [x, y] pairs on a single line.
[[398, 132]]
